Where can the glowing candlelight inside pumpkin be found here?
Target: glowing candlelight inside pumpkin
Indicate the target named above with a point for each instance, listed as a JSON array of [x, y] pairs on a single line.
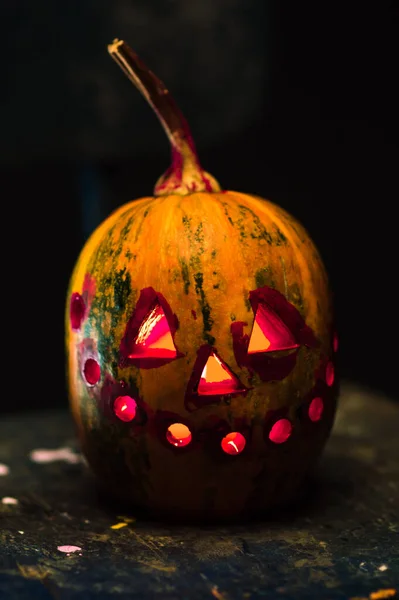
[[178, 435]]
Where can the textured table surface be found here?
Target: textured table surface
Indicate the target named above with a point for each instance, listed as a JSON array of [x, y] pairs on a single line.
[[343, 543]]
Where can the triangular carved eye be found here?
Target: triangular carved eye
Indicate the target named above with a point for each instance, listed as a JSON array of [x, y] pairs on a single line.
[[269, 333], [154, 338], [217, 379]]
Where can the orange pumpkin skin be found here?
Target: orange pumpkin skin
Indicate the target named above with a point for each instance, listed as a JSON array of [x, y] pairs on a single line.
[[204, 253], [227, 281]]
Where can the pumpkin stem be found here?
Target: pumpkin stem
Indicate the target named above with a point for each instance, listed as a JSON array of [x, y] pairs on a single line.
[[185, 174]]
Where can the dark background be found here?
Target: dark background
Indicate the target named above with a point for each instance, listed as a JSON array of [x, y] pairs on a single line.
[[294, 102]]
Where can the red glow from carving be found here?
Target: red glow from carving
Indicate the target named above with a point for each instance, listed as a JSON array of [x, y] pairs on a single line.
[[148, 341], [125, 408], [335, 342], [269, 333], [92, 371], [77, 310], [284, 310], [210, 380], [114, 394], [316, 408], [288, 330], [330, 374], [281, 431], [178, 435], [154, 339], [233, 443], [216, 378]]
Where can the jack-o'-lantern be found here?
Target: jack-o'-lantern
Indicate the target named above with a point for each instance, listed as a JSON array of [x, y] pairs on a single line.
[[200, 342]]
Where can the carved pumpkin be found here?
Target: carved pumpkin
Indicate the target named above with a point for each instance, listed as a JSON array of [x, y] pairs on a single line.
[[199, 340]]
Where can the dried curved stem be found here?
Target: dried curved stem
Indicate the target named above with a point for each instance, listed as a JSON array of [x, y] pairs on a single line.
[[185, 174]]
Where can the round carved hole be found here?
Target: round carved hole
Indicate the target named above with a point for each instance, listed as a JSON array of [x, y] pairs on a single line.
[[125, 408], [316, 408], [92, 371], [178, 435], [233, 443], [281, 431]]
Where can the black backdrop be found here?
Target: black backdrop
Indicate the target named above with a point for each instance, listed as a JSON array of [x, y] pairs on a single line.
[[293, 102]]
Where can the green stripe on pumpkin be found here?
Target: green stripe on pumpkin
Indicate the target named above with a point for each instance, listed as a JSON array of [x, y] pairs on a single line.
[[205, 308]]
